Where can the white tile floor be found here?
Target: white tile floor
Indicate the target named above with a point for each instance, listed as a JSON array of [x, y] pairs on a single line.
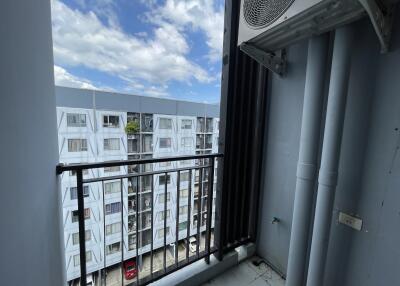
[[246, 273]]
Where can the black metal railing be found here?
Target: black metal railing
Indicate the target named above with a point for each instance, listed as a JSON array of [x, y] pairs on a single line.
[[205, 165]]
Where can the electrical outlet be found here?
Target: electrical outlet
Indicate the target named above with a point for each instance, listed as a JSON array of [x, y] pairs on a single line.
[[351, 221]]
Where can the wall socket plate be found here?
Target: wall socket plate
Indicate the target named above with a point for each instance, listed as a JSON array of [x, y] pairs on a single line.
[[350, 221]]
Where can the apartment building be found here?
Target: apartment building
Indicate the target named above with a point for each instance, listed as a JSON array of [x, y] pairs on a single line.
[[92, 127]]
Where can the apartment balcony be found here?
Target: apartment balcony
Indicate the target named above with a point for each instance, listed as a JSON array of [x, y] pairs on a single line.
[[158, 229], [307, 181]]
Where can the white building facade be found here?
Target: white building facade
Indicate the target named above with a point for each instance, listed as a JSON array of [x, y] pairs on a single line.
[[91, 128]]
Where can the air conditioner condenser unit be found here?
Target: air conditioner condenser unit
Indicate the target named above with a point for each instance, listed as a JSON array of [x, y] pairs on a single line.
[[270, 25]]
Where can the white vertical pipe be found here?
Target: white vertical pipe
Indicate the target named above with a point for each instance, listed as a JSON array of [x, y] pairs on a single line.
[[327, 181], [308, 158]]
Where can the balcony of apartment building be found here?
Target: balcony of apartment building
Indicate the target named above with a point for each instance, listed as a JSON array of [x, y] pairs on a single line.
[[253, 213]]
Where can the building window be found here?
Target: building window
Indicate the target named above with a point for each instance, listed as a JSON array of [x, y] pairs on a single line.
[[161, 197], [183, 210], [75, 237], [113, 228], [133, 117], [112, 187], [112, 169], [161, 215], [76, 120], [183, 225], [132, 241], [147, 143], [74, 192], [165, 142], [165, 123], [133, 145], [184, 176], [75, 216], [209, 125], [111, 144], [200, 125], [183, 194], [77, 145], [208, 143], [161, 180], [186, 124], [111, 121], [113, 248], [77, 260], [147, 122], [160, 232], [186, 142], [113, 208], [200, 141]]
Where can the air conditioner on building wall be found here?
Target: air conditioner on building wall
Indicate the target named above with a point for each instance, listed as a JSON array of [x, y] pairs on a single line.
[[270, 25]]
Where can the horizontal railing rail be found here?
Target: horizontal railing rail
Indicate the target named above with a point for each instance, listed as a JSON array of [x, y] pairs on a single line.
[[206, 162], [82, 166]]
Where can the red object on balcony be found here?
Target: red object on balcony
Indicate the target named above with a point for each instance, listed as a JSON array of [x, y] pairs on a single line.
[[130, 270]]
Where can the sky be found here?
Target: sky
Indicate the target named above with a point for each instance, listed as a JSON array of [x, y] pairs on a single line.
[[162, 48]]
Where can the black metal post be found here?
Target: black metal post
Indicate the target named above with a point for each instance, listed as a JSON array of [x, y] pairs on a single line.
[[178, 187], [165, 223], [189, 216], [122, 233], [104, 234], [137, 230], [81, 222], [199, 211], [209, 209], [152, 226]]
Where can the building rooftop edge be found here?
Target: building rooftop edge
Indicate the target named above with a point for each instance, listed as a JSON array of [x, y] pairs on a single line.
[[110, 100]]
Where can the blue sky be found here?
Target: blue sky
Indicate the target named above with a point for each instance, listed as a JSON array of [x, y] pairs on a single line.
[[163, 48]]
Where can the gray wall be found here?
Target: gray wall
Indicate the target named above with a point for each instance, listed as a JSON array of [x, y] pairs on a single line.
[[369, 172], [30, 246]]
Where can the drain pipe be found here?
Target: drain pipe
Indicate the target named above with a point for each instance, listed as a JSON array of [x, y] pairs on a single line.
[[308, 158], [328, 173]]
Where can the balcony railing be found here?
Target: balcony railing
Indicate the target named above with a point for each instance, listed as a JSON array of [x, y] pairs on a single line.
[[137, 207]]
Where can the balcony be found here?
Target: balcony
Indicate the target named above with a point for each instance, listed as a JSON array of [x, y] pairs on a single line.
[[319, 206], [162, 229]]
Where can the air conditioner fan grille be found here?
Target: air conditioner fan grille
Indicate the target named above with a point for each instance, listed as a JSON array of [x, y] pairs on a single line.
[[260, 13]]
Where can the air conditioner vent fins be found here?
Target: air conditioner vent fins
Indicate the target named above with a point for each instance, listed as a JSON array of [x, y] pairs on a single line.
[[260, 13]]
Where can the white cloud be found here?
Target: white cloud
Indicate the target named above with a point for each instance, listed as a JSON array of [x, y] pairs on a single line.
[[194, 14], [81, 39], [63, 78]]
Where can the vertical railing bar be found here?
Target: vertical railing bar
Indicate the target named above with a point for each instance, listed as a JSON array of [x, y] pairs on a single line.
[[199, 211], [104, 233], [122, 233], [189, 215], [152, 226], [137, 230], [178, 187], [165, 223], [209, 209], [81, 225]]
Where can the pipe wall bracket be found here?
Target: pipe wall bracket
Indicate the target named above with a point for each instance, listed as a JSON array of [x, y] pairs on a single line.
[[273, 62]]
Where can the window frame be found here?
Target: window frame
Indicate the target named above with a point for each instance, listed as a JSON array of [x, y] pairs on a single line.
[[109, 124], [110, 143], [165, 139], [79, 122], [165, 120], [81, 147]]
